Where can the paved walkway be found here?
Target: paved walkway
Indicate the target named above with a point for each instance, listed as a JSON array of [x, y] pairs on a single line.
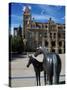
[[21, 76]]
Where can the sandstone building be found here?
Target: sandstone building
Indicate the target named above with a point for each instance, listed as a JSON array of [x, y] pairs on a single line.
[[48, 34]]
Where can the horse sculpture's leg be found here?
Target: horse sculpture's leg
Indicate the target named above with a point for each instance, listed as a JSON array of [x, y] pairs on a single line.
[[56, 79], [37, 78], [57, 69], [45, 77], [50, 80], [56, 75]]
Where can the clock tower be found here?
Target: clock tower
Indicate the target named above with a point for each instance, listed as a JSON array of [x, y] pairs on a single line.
[[26, 21]]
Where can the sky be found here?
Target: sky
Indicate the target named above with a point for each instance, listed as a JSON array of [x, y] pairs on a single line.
[[40, 13]]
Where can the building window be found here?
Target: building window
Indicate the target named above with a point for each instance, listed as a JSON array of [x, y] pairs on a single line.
[[64, 27], [46, 43], [40, 43], [26, 17], [53, 50], [50, 35], [59, 28], [64, 50], [64, 45], [30, 36], [53, 43], [45, 35], [54, 35], [59, 35], [60, 43], [60, 51], [40, 35], [46, 26]]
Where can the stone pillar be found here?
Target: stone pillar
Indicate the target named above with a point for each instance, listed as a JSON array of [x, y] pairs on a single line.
[[57, 42], [62, 46], [43, 42], [49, 42], [36, 38]]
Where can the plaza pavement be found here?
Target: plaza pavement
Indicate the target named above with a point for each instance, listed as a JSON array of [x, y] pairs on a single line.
[[21, 76]]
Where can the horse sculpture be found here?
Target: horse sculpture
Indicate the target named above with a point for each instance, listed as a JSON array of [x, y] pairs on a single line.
[[38, 67], [51, 64]]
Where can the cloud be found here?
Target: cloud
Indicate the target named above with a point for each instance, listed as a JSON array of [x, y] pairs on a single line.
[[24, 7], [16, 20], [43, 17], [42, 12], [58, 7], [63, 17], [46, 8], [38, 17], [53, 10], [16, 16], [29, 7], [49, 8], [13, 26], [12, 31]]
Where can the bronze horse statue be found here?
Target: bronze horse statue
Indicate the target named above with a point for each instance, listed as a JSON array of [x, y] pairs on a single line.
[[51, 64], [38, 67]]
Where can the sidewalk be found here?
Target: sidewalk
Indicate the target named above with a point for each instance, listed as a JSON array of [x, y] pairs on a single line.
[[23, 76]]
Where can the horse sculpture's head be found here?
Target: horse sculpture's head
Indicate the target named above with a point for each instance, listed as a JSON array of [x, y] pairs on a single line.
[[30, 61], [40, 50]]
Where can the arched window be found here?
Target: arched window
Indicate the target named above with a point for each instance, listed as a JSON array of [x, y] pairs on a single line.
[[53, 50], [60, 51], [46, 43], [53, 43], [60, 43]]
